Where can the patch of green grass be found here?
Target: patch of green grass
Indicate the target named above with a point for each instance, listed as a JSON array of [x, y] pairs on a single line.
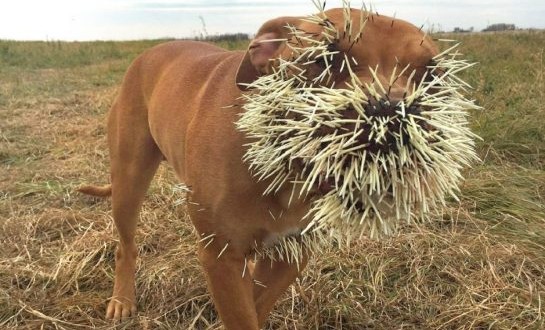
[[32, 71], [510, 200], [58, 54], [506, 191], [509, 83]]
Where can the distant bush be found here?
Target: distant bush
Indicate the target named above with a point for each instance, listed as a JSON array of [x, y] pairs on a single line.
[[461, 30], [500, 27]]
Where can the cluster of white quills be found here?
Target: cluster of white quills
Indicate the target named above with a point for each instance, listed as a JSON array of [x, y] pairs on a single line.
[[376, 170]]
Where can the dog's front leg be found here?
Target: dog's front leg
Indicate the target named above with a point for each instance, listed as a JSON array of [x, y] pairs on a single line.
[[232, 293], [273, 277]]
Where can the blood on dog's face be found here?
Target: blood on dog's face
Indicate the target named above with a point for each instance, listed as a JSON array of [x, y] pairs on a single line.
[[351, 108]]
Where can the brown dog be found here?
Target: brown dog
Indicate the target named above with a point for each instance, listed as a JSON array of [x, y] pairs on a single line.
[[172, 105]]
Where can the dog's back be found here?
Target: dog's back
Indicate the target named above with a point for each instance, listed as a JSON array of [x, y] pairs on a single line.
[[174, 84]]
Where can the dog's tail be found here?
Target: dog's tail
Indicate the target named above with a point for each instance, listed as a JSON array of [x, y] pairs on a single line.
[[97, 191]]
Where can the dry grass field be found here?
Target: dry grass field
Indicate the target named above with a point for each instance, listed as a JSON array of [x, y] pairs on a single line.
[[479, 266]]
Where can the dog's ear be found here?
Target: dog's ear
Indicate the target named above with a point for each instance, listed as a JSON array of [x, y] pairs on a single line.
[[257, 60]]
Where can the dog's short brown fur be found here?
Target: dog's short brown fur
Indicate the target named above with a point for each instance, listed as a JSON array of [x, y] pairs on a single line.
[[172, 106]]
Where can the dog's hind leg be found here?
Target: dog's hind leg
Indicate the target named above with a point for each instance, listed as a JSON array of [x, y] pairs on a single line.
[[134, 160]]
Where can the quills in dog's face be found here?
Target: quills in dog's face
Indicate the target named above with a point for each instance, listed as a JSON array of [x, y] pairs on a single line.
[[371, 157]]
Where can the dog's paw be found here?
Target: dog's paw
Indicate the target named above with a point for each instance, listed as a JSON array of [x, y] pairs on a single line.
[[120, 308]]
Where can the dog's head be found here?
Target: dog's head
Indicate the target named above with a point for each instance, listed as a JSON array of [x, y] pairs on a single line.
[[367, 40], [360, 110]]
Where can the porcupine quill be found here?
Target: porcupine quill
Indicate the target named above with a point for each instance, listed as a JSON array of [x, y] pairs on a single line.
[[383, 168]]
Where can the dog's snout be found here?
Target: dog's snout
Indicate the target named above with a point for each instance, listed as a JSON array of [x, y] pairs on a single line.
[[383, 130]]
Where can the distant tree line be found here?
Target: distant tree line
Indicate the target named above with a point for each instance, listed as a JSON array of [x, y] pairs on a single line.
[[491, 28], [500, 27], [460, 30]]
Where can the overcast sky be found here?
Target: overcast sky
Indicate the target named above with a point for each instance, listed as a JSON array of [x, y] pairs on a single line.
[[139, 19]]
